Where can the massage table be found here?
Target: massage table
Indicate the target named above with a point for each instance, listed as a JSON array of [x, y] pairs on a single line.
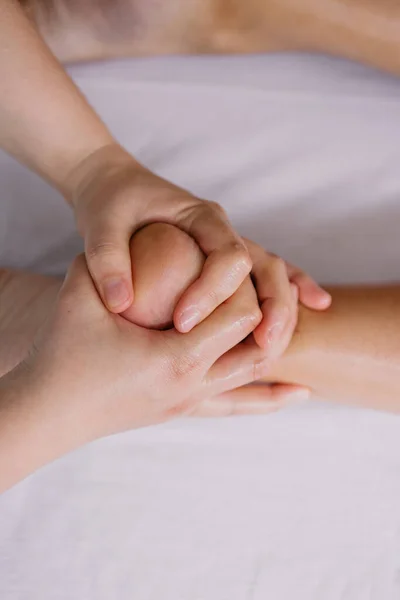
[[304, 154]]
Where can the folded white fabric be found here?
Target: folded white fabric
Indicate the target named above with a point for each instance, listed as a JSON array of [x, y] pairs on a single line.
[[304, 153]]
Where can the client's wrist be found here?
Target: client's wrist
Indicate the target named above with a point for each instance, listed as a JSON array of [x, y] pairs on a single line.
[[292, 366]]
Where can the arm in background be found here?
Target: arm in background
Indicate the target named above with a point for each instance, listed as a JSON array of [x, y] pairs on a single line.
[[367, 31]]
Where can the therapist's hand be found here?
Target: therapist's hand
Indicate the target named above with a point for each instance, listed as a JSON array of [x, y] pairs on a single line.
[[113, 196], [102, 374], [91, 373]]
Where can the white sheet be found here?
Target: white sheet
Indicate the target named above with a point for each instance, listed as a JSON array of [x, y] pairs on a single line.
[[304, 153]]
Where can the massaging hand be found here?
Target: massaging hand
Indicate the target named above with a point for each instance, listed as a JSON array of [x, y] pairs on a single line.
[[91, 373], [113, 196], [102, 374]]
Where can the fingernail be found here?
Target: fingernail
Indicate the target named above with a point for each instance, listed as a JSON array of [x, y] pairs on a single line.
[[327, 298], [116, 293], [189, 318]]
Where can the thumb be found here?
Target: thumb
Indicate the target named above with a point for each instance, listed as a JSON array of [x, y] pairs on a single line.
[[109, 263]]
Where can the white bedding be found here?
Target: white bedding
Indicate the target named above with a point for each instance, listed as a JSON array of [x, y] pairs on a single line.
[[304, 153]]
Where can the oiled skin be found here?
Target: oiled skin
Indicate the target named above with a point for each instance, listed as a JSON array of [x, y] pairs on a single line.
[[165, 260], [350, 351]]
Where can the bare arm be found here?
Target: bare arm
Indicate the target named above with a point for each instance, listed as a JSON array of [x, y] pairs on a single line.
[[45, 121], [363, 30], [351, 351]]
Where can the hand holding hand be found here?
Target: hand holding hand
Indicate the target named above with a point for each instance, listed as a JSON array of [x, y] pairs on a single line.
[[113, 196]]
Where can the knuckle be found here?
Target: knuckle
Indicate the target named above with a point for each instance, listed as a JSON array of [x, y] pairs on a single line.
[[100, 249], [242, 257], [255, 315], [279, 265], [239, 258], [214, 207], [249, 318]]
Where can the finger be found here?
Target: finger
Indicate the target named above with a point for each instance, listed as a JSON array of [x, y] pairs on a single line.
[[311, 294], [226, 266], [227, 326], [108, 259], [272, 334], [276, 297], [251, 400], [243, 364]]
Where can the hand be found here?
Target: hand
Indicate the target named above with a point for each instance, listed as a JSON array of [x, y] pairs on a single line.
[[113, 196], [25, 301], [258, 399], [101, 374], [279, 286]]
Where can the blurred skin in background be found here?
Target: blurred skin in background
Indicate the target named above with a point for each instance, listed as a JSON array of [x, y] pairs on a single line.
[[363, 30]]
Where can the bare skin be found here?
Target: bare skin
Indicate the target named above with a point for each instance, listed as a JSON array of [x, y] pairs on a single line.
[[366, 30], [91, 373], [25, 302], [165, 260], [351, 351], [47, 124], [70, 371]]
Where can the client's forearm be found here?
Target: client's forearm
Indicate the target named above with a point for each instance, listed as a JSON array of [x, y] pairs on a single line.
[[25, 299], [350, 352]]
